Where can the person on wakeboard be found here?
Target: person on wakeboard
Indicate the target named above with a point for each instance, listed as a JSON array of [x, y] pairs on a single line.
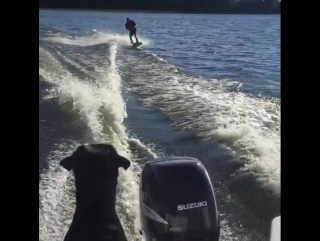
[[132, 27]]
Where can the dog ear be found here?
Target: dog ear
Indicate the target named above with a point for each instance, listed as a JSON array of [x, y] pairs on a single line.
[[123, 162], [68, 162]]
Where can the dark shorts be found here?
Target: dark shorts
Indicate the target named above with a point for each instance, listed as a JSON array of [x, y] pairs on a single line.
[[132, 32]]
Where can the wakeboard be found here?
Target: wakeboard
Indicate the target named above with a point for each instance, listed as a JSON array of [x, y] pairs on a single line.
[[137, 44]]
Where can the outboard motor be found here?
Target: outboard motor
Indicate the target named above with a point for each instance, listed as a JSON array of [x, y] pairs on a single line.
[[177, 201]]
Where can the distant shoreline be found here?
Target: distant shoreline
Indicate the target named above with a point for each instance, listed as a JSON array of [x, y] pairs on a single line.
[[105, 10], [150, 11]]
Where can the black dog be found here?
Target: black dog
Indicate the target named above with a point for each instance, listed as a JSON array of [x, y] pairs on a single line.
[[95, 168]]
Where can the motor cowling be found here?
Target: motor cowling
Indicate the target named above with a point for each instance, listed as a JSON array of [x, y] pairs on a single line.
[[177, 201]]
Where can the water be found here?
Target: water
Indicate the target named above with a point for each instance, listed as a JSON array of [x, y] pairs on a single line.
[[206, 86]]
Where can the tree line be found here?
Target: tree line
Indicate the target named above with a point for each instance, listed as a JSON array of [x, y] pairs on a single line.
[[187, 6]]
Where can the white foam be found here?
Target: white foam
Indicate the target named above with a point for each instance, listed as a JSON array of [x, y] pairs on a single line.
[[56, 198], [212, 109], [98, 38], [102, 110], [143, 151]]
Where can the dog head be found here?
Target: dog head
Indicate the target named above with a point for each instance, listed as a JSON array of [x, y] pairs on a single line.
[[95, 166]]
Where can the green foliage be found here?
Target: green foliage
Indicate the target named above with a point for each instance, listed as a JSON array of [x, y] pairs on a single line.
[[191, 6]]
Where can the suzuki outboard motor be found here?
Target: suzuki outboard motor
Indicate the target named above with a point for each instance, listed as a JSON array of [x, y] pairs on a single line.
[[177, 201]]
